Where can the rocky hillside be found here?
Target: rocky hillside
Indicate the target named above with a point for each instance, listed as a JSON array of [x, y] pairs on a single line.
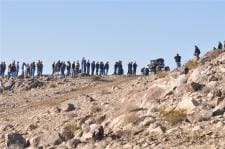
[[168, 110]]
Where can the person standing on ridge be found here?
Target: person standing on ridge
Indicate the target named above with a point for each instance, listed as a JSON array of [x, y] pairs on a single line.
[[178, 60], [197, 52], [93, 68], [97, 67], [88, 67], [106, 68], [220, 46], [134, 68]]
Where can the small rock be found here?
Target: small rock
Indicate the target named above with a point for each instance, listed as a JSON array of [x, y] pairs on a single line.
[[32, 127], [34, 142], [73, 143], [68, 107]]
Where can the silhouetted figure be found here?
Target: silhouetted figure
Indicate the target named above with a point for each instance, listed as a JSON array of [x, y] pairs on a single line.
[[134, 68], [129, 68], [88, 67], [93, 68], [106, 68], [68, 68], [197, 52], [101, 68], [220, 46], [97, 68], [178, 60]]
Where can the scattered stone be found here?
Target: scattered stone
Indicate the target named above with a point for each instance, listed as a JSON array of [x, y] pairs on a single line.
[[73, 143], [67, 107]]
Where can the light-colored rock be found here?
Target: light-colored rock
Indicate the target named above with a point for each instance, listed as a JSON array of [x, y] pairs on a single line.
[[51, 138], [188, 104]]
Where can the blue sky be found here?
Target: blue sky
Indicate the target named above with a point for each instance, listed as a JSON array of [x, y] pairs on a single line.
[[108, 30]]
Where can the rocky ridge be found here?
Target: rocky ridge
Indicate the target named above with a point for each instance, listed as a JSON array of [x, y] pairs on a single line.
[[175, 110]]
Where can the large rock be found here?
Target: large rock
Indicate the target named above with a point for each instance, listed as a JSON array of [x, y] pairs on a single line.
[[51, 139], [97, 132], [196, 86], [188, 104], [15, 140], [66, 134]]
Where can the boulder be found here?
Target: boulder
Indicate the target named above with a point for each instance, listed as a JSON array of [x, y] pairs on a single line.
[[50, 139], [66, 134], [196, 86], [188, 104], [15, 140], [97, 132]]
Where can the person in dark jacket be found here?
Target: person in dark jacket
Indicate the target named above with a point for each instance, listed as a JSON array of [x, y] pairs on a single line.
[[93, 68], [129, 68], [97, 68], [197, 52], [115, 68], [73, 69], [134, 68], [220, 46], [178, 60], [106, 68], [68, 68], [101, 68], [88, 67]]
